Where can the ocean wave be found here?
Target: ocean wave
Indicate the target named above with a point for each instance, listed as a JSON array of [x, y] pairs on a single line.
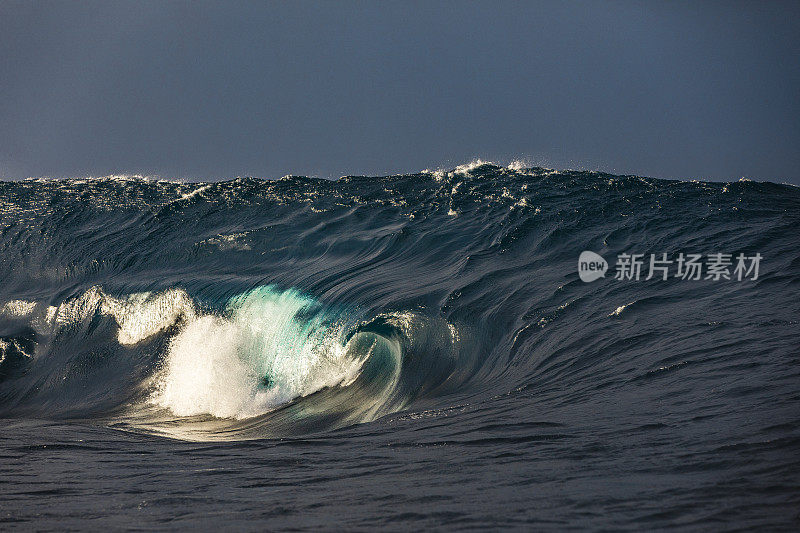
[[252, 308]]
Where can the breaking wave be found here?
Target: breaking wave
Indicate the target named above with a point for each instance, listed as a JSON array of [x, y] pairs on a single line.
[[251, 309]]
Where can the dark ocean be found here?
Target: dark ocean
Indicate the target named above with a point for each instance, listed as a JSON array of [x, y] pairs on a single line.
[[409, 352]]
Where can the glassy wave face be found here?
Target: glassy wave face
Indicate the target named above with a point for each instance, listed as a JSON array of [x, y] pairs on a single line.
[[253, 309]]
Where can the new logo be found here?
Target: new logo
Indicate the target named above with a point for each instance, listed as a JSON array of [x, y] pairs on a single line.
[[591, 266]]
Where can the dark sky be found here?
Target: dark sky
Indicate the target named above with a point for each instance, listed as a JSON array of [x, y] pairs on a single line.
[[217, 90]]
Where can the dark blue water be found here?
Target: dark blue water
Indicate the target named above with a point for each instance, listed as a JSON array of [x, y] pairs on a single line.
[[408, 352]]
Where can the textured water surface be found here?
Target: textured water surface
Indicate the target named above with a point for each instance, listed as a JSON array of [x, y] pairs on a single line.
[[407, 351]]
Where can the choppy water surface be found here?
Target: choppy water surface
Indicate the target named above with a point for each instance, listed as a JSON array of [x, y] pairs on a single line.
[[408, 351]]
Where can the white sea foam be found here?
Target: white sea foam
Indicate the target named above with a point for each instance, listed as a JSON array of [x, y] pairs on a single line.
[[619, 310], [519, 164], [138, 316], [255, 357], [195, 192], [267, 348], [234, 241], [18, 308], [142, 315]]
